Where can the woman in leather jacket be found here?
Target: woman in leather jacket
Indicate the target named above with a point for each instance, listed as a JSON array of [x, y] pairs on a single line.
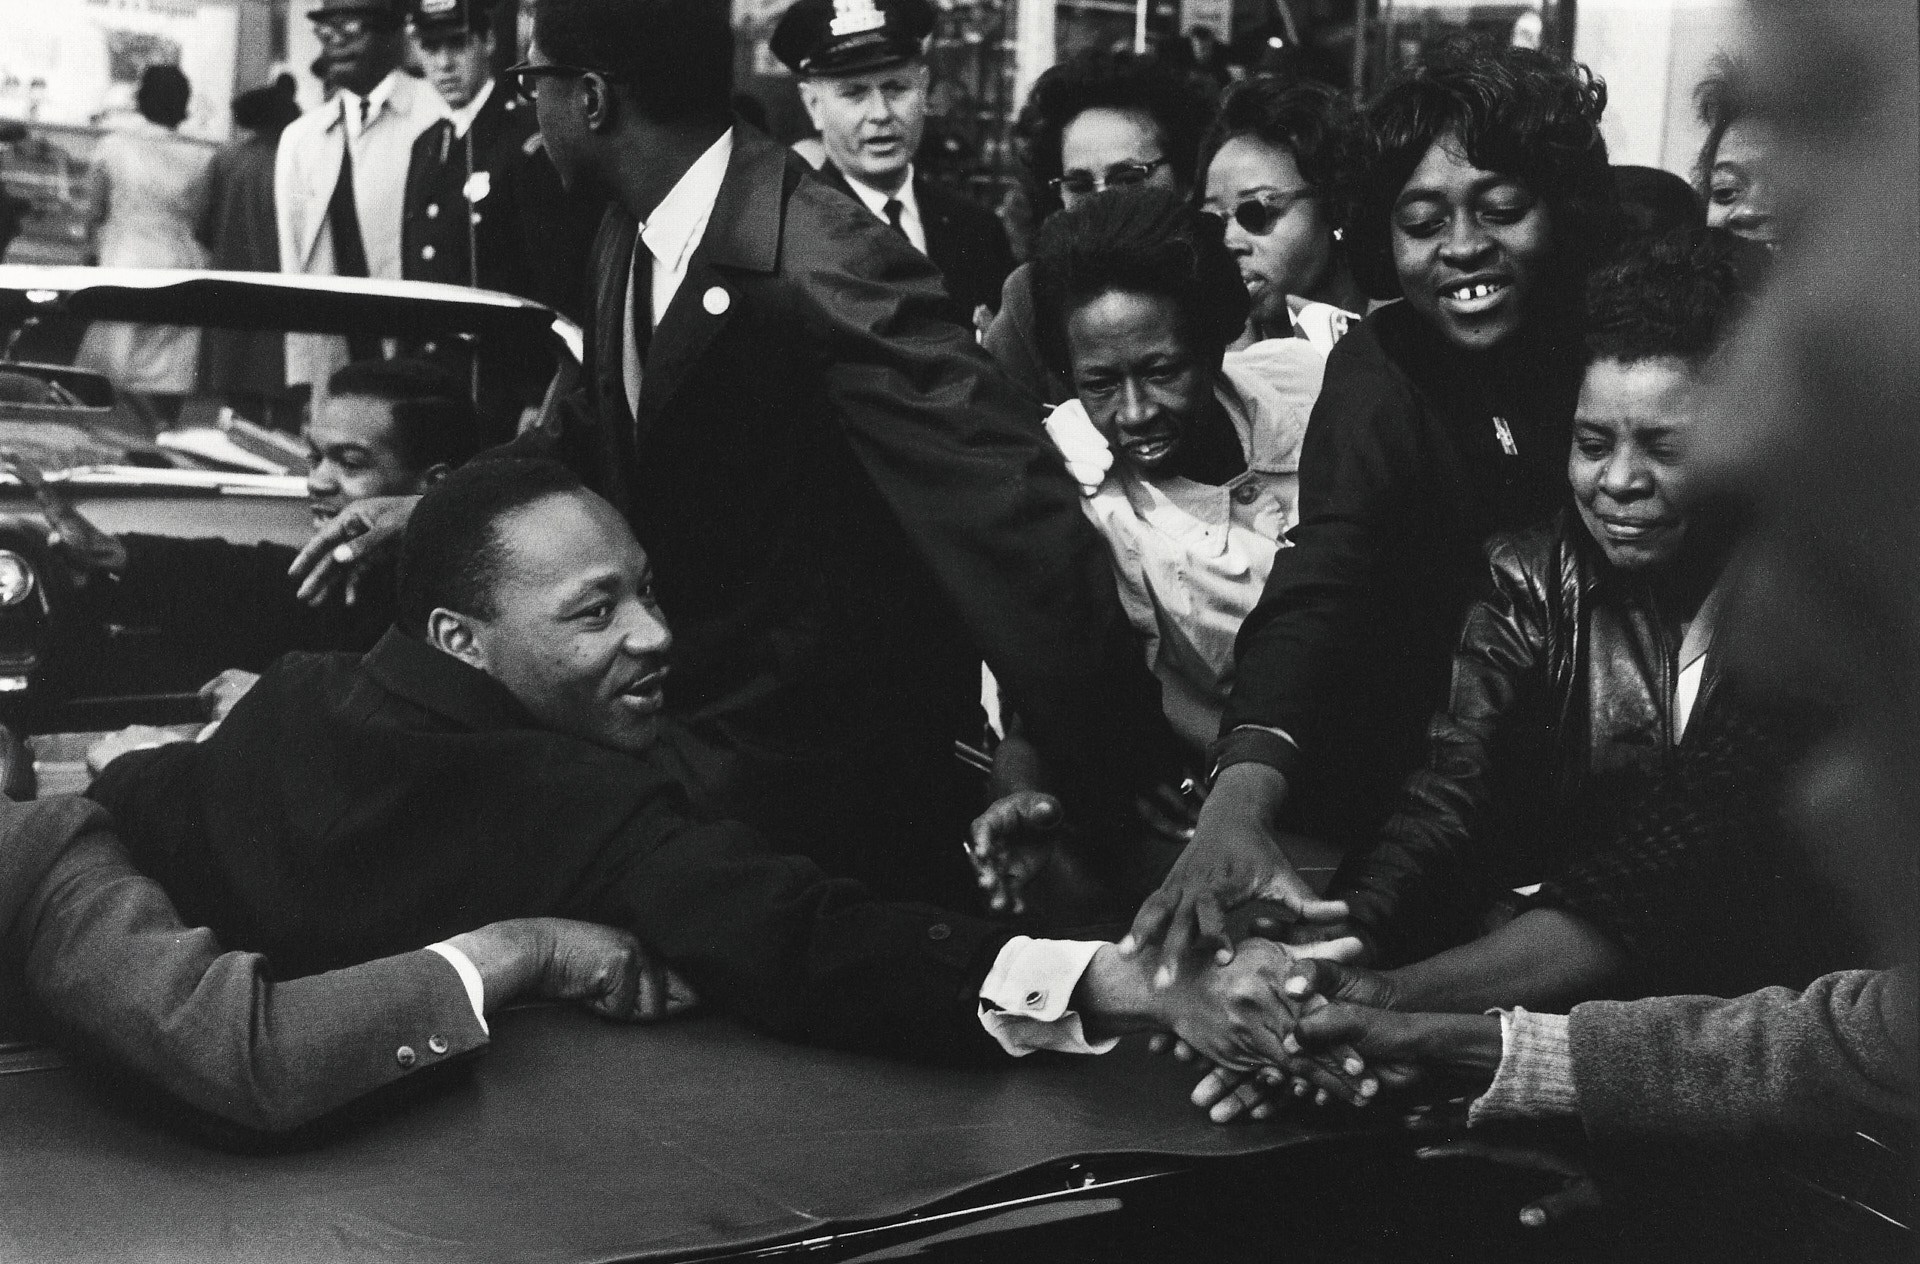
[[1581, 663]]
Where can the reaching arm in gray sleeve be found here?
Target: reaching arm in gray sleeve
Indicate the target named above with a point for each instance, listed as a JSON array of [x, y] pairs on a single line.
[[1839, 1056], [128, 984]]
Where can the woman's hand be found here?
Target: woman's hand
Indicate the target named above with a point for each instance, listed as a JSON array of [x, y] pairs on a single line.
[[1235, 858]]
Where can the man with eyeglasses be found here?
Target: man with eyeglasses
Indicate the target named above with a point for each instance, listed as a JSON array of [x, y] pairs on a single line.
[[340, 174], [846, 506], [864, 79]]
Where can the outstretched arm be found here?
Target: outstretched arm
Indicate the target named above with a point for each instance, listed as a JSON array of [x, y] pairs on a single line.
[[107, 956]]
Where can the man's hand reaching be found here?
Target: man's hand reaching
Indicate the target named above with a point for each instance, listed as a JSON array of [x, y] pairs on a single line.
[[605, 970], [1011, 842], [338, 556]]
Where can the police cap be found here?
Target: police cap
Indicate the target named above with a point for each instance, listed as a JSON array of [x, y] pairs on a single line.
[[844, 37]]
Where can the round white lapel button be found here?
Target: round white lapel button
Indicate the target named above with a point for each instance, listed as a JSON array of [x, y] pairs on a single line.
[[716, 301]]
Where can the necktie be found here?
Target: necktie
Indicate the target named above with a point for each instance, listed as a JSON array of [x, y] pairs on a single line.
[[349, 249], [894, 209], [639, 322]]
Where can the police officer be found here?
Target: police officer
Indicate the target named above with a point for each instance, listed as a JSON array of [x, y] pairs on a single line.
[[864, 79], [455, 162]]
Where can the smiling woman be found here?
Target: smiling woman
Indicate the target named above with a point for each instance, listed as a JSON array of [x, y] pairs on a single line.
[[1481, 194]]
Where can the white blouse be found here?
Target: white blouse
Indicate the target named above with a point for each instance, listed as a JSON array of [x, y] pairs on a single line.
[[1190, 558]]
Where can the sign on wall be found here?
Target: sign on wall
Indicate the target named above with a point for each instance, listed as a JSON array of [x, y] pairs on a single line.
[[77, 62]]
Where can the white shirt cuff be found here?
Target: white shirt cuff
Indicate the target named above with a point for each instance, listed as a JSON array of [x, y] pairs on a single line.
[[469, 979], [1023, 1003]]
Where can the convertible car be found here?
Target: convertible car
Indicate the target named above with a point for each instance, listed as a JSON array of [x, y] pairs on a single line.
[[216, 467]]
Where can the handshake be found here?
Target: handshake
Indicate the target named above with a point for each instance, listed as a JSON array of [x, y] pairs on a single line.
[[1269, 1021]]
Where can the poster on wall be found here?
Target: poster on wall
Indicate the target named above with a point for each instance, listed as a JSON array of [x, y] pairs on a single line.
[[77, 62]]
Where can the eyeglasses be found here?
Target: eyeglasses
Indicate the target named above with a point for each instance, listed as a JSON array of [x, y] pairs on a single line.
[[1121, 175], [1258, 215], [522, 76], [339, 26]]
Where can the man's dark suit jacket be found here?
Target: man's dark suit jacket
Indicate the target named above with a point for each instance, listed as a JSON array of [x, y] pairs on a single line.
[[103, 955], [965, 240], [350, 807], [847, 507]]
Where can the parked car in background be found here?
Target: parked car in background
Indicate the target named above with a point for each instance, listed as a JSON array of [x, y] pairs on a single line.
[[216, 473]]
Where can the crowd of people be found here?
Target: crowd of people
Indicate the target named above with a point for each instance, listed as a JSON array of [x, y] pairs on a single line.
[[1393, 641]]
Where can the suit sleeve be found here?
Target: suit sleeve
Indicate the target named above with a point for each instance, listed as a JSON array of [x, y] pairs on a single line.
[[775, 942], [1405, 890], [1358, 467], [127, 983], [961, 459], [1014, 346], [1837, 1057], [235, 602]]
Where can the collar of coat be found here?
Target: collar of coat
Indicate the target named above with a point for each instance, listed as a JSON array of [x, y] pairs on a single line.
[[436, 681]]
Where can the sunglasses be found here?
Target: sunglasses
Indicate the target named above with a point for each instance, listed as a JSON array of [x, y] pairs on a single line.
[[522, 77], [1121, 175], [1258, 215]]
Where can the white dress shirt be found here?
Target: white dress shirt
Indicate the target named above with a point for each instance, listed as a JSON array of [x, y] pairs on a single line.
[[462, 118], [305, 170], [876, 201], [670, 235]]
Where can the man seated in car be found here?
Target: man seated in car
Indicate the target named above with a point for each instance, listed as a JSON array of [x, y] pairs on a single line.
[[495, 756], [383, 428]]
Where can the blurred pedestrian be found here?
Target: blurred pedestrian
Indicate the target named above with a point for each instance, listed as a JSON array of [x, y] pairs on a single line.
[[147, 195], [247, 368]]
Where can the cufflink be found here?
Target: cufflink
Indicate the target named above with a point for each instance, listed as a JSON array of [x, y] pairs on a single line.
[[716, 301], [405, 1055], [1036, 999], [437, 1043]]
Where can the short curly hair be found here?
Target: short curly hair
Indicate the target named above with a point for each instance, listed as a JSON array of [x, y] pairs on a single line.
[[1719, 101], [1675, 294], [163, 94], [673, 58], [1516, 111], [1137, 241], [451, 556], [1309, 120], [434, 422], [1110, 81]]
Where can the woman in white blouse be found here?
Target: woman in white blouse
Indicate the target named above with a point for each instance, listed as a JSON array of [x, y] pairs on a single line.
[[1188, 453]]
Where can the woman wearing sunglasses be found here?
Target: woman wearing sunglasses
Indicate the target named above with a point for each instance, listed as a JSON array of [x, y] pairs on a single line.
[[1089, 125], [1481, 196], [1267, 167]]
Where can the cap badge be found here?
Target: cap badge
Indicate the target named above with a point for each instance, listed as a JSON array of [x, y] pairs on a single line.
[[852, 17], [437, 8]]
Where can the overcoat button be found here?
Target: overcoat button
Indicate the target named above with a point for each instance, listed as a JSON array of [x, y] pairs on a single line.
[[939, 931], [437, 1043], [405, 1055]]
